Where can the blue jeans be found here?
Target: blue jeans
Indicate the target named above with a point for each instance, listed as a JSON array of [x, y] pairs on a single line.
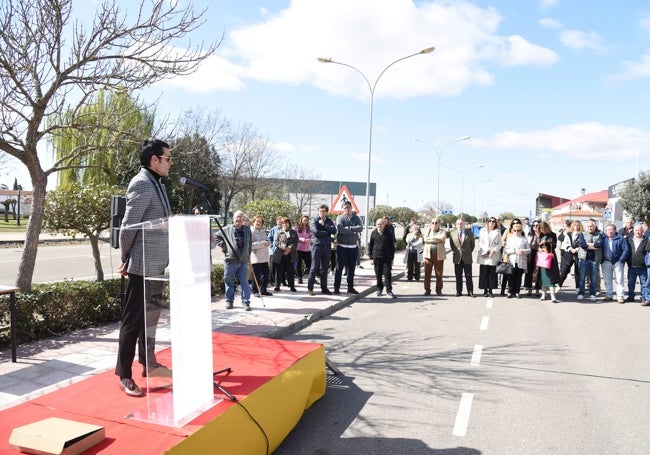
[[632, 274], [646, 289], [587, 268], [239, 270]]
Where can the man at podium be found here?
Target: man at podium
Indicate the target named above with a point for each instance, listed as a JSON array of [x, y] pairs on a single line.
[[146, 199]]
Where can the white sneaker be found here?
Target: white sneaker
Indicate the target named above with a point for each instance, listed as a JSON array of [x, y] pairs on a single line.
[[580, 297], [592, 298]]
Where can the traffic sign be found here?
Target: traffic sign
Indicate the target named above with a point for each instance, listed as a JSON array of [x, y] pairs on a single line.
[[343, 197], [447, 212], [607, 214]]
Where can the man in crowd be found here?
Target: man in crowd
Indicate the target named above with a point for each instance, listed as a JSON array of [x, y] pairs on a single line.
[[322, 230], [616, 250], [461, 241], [636, 262], [146, 199], [381, 250], [348, 227], [236, 241], [589, 258]]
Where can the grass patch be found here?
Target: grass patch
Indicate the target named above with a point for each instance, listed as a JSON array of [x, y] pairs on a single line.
[[11, 226]]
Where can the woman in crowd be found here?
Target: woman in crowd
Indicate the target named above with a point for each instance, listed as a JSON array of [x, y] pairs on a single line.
[[304, 247], [414, 253], [570, 253], [489, 254], [434, 255], [518, 250], [533, 241], [285, 254], [504, 238], [260, 257]]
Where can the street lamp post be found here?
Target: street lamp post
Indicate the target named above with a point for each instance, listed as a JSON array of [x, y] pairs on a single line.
[[372, 87], [462, 185], [439, 153]]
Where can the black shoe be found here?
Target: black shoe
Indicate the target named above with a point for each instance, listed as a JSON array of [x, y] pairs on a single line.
[[326, 292], [299, 280], [310, 292], [293, 289], [256, 294], [379, 292], [471, 294], [337, 292], [229, 305], [490, 294], [510, 296], [518, 296], [630, 299], [391, 295], [352, 291], [276, 289], [269, 294], [458, 294]]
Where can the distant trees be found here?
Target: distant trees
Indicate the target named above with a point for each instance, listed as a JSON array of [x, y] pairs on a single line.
[[635, 197], [51, 63]]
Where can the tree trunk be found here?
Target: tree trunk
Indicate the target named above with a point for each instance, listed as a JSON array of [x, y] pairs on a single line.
[[28, 259], [94, 243]]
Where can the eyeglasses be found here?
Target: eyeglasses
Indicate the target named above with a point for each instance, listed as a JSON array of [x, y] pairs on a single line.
[[165, 157], [436, 222], [492, 221], [535, 224]]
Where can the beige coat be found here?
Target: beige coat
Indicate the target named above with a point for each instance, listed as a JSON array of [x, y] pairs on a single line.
[[434, 243]]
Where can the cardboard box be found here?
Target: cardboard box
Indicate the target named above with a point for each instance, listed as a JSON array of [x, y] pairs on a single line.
[[56, 436]]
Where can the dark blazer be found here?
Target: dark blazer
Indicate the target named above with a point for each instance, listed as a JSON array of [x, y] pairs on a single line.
[[461, 252], [235, 254], [381, 245], [288, 239], [146, 200], [637, 256]]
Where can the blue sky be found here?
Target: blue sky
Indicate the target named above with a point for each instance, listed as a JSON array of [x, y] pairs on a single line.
[[553, 93]]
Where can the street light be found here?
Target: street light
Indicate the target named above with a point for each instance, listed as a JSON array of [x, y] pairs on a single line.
[[462, 185], [439, 153], [372, 87]]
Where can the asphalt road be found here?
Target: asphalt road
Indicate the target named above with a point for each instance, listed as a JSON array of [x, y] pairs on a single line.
[[477, 376]]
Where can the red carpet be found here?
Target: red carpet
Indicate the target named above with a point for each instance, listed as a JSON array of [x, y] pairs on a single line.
[[275, 380]]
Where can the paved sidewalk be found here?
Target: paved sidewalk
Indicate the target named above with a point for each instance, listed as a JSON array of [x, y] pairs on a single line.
[[50, 364]]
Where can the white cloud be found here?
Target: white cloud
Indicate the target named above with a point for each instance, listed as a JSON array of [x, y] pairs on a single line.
[[579, 40], [548, 4], [644, 23], [635, 70], [589, 141], [549, 22], [370, 34]]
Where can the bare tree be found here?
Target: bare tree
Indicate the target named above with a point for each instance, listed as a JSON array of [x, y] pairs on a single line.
[[51, 63], [246, 160], [304, 188]]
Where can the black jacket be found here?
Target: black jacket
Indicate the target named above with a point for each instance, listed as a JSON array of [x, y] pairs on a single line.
[[381, 245], [637, 257]]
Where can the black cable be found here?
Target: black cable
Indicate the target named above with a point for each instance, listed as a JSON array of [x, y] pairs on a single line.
[[266, 438]]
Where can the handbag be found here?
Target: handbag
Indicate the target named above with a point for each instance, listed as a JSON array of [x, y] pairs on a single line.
[[544, 260], [505, 268]]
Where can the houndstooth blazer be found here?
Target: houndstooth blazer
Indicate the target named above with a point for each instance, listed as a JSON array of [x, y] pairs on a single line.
[[146, 200]]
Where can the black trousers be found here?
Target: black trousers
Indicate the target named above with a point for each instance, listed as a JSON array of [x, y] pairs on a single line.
[[383, 274], [466, 269], [135, 328]]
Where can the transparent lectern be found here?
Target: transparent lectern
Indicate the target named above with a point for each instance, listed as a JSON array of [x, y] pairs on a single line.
[[174, 398]]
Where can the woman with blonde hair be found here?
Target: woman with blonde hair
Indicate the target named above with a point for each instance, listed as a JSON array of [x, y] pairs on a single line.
[[518, 250]]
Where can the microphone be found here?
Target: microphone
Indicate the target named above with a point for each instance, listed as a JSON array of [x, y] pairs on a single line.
[[185, 181]]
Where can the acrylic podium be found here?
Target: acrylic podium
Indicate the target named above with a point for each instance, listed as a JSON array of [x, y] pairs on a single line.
[[174, 401]]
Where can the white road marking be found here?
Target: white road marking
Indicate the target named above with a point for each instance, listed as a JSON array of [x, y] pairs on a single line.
[[488, 304], [484, 323], [476, 355], [462, 418]]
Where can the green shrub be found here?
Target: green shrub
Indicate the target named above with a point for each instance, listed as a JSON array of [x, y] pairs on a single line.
[[53, 309]]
